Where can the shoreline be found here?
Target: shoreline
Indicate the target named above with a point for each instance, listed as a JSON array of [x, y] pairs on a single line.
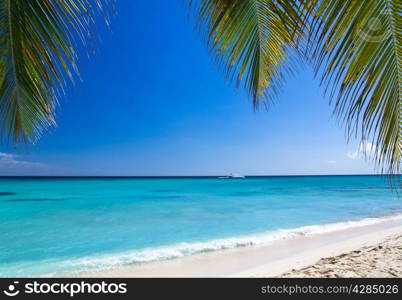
[[270, 260]]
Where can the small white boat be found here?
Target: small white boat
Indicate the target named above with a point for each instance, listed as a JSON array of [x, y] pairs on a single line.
[[233, 176]]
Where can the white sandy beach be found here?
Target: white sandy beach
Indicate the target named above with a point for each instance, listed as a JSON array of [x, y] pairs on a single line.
[[383, 259], [365, 251]]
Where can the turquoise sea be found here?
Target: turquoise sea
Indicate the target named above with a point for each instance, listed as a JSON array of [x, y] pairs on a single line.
[[58, 226]]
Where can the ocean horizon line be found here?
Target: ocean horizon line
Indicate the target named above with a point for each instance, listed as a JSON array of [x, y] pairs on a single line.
[[183, 176]]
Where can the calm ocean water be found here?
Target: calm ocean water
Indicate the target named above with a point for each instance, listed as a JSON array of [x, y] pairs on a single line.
[[55, 226]]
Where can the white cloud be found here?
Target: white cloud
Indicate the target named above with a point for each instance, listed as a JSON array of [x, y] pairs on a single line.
[[331, 162], [365, 149], [11, 160]]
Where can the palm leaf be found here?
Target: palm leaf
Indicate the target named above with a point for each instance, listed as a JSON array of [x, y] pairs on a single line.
[[38, 42], [253, 40], [355, 44], [359, 49]]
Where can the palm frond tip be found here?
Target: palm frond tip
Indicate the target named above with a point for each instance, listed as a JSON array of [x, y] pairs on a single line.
[[38, 42]]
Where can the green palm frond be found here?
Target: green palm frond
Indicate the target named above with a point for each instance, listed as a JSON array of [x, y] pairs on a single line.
[[252, 40], [38, 53], [356, 45], [359, 49]]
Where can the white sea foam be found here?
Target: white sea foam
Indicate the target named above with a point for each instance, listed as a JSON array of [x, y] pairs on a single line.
[[111, 261]]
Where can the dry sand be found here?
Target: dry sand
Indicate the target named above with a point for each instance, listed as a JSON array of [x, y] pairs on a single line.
[[381, 260]]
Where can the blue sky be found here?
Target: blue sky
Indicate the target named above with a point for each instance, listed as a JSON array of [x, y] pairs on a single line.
[[153, 103]]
